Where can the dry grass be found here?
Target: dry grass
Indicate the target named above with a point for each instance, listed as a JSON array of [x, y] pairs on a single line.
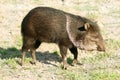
[[97, 66]]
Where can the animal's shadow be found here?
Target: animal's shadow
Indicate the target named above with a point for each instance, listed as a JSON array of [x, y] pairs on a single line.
[[43, 57], [48, 58]]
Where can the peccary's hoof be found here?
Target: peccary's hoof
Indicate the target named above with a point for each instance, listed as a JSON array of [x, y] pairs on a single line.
[[22, 63], [64, 66], [76, 62], [33, 63]]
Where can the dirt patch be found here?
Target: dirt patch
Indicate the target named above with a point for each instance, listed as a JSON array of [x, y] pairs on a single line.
[[106, 12]]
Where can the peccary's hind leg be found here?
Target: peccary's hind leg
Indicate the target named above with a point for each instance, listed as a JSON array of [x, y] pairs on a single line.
[[24, 50], [36, 45], [28, 43], [63, 52], [33, 56], [74, 51]]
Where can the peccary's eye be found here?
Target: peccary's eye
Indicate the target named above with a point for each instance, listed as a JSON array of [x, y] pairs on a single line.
[[82, 28]]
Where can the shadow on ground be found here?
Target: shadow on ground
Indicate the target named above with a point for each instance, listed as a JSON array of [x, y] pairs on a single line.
[[43, 57]]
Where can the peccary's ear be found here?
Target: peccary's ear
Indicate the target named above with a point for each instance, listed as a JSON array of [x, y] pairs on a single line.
[[87, 26], [84, 27]]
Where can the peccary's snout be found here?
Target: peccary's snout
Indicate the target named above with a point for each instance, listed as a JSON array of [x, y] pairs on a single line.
[[101, 46]]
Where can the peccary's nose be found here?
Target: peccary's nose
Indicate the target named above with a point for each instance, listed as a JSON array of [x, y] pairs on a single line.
[[101, 47]]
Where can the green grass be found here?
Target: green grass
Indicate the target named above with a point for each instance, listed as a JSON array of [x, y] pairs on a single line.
[[9, 56], [95, 59], [56, 53], [9, 53], [95, 68], [69, 60], [86, 7], [113, 44], [27, 60], [11, 63], [92, 15], [99, 74], [99, 66], [70, 75], [104, 75]]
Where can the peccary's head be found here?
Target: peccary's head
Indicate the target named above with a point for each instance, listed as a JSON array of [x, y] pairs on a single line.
[[86, 35], [90, 38]]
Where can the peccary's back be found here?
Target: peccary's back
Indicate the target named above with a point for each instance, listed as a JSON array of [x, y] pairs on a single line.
[[46, 24]]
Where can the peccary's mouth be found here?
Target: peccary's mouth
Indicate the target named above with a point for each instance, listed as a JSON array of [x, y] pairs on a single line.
[[87, 47]]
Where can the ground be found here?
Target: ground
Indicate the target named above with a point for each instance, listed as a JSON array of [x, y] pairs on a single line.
[[96, 65]]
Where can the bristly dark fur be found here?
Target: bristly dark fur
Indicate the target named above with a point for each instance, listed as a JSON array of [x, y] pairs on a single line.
[[44, 24]]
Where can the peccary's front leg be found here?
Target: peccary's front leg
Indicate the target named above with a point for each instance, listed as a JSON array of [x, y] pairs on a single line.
[[63, 52], [74, 51]]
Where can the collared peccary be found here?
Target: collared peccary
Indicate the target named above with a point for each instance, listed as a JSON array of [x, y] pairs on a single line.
[[44, 24]]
